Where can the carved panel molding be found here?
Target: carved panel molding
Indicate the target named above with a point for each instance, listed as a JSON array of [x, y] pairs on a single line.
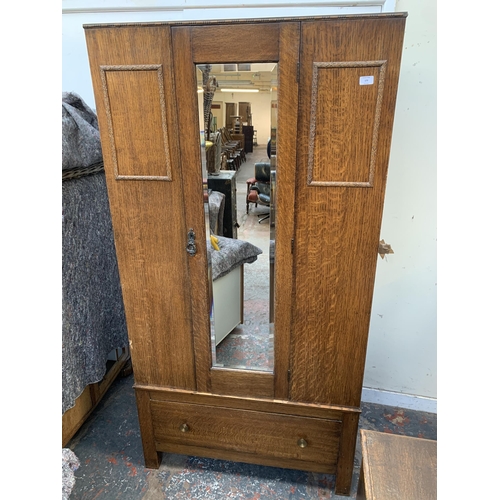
[[144, 155], [363, 84]]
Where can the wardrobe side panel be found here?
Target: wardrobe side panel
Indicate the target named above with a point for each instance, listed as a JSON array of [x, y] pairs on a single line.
[[136, 108], [348, 80]]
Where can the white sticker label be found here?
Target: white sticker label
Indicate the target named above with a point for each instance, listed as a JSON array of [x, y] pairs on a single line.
[[366, 80]]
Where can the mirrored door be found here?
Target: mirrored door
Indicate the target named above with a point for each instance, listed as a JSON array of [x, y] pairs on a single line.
[[192, 48], [239, 179]]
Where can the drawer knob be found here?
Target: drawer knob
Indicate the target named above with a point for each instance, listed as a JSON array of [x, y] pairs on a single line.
[[184, 428], [302, 442]]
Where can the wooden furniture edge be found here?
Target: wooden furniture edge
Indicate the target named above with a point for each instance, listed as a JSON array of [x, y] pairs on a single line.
[[215, 22], [75, 417], [347, 450], [249, 458], [248, 403], [366, 480]]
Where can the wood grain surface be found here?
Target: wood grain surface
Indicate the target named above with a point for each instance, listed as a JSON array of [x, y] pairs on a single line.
[[148, 215], [337, 228], [328, 412], [332, 157], [397, 467], [288, 109], [246, 432], [192, 203]]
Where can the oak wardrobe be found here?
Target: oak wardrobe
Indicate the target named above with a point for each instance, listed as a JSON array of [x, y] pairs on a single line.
[[336, 95]]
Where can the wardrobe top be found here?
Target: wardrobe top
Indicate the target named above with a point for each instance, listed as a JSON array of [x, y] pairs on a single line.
[[248, 21]]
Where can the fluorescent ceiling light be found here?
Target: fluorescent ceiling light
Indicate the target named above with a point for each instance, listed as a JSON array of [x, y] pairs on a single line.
[[234, 82], [239, 90]]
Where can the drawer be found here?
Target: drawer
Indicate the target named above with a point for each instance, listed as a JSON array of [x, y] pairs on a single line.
[[284, 439]]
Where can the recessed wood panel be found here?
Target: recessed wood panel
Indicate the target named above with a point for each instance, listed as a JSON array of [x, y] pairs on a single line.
[[242, 383], [345, 118], [237, 42], [136, 119]]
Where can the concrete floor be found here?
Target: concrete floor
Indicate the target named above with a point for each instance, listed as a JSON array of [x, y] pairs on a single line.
[[109, 448]]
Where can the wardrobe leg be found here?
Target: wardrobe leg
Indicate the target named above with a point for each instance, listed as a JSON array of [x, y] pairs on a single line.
[[152, 458], [347, 449]]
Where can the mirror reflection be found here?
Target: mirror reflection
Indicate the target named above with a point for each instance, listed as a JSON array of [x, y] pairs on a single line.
[[238, 127]]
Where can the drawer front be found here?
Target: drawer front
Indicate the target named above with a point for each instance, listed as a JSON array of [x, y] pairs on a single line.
[[249, 432]]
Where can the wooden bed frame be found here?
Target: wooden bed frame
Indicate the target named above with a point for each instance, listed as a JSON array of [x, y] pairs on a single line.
[[85, 404]]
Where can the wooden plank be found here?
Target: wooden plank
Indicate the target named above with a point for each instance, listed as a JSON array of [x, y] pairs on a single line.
[[244, 383], [239, 22], [114, 371], [396, 467], [248, 458], [338, 226], [75, 417], [146, 197], [247, 403], [285, 202], [235, 43], [192, 189]]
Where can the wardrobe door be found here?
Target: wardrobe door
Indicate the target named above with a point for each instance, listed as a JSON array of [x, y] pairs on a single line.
[[272, 42], [348, 79], [136, 107]]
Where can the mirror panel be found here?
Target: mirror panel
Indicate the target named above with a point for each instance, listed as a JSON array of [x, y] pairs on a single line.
[[238, 152]]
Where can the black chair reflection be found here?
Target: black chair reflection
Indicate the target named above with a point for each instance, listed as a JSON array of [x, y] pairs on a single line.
[[259, 187]]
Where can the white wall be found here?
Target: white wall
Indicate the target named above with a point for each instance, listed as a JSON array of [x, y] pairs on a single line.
[[402, 344], [76, 72], [261, 110], [401, 355]]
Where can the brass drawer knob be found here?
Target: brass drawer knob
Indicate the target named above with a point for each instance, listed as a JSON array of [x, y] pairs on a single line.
[[184, 428], [302, 442]]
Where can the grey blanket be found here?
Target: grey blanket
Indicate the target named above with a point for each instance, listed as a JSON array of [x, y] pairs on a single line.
[[232, 253], [81, 144], [93, 318], [216, 203]]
